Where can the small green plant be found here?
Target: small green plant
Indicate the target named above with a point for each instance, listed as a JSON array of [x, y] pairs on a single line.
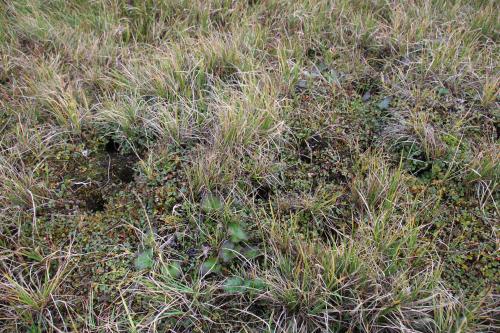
[[144, 259], [210, 265]]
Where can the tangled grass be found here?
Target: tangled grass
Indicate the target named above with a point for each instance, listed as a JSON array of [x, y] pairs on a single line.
[[249, 166]]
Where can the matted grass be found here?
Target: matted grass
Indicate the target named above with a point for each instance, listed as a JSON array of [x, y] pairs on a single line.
[[249, 166]]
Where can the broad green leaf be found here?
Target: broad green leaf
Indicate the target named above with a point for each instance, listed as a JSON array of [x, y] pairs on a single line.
[[212, 204], [209, 266], [443, 91], [385, 103], [227, 251], [144, 260], [234, 285], [237, 233], [251, 253], [256, 284], [173, 270]]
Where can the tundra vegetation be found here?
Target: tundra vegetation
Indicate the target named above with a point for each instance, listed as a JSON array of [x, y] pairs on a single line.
[[249, 166]]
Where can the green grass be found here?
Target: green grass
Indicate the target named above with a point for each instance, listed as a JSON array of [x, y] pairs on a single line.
[[249, 166]]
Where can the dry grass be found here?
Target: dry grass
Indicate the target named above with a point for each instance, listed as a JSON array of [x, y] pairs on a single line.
[[249, 166]]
